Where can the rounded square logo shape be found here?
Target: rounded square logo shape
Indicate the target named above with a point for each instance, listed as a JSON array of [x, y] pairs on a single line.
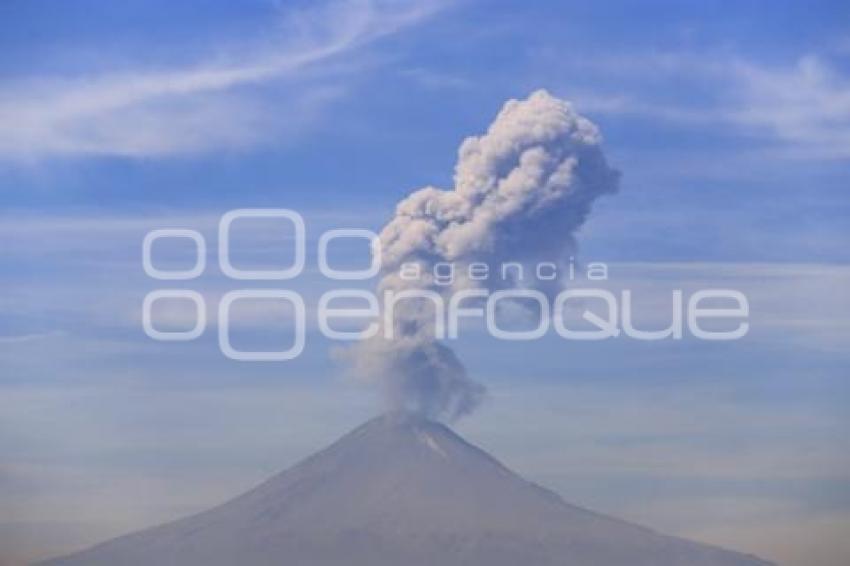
[[341, 275], [179, 335], [261, 274], [176, 275], [248, 356]]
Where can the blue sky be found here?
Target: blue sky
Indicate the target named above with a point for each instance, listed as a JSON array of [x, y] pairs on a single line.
[[730, 125], [708, 111]]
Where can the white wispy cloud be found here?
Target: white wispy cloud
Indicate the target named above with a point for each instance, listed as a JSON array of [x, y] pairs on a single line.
[[807, 104], [802, 107], [18, 338], [197, 107]]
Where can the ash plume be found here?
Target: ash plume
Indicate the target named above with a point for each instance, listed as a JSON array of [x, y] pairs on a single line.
[[521, 192]]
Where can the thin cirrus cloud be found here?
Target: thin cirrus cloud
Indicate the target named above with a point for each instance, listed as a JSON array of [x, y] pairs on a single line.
[[199, 107], [801, 109], [808, 104]]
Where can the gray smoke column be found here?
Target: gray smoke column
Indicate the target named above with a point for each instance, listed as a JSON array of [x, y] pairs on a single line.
[[521, 192]]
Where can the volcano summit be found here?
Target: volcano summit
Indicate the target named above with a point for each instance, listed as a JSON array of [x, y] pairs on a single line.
[[401, 491]]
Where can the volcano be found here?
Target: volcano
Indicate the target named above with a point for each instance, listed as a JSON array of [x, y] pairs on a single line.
[[401, 491]]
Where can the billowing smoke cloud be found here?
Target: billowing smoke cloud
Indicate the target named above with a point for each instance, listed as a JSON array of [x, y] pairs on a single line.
[[521, 192]]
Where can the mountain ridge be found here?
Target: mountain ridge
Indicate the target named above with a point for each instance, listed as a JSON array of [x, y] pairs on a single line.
[[401, 490]]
